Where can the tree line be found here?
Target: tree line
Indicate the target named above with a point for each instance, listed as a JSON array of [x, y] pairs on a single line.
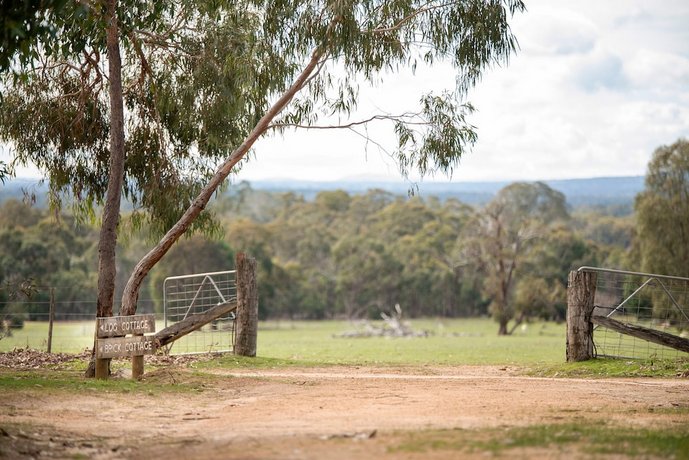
[[338, 255]]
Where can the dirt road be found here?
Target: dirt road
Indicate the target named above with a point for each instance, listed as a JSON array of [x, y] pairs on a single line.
[[341, 412]]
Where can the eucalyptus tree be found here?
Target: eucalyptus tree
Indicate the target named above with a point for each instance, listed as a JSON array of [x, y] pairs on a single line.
[[316, 52], [662, 212], [55, 114], [503, 233], [203, 81]]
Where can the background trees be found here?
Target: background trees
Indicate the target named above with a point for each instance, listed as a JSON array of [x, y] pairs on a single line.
[[341, 255], [37, 253], [503, 235], [662, 210]]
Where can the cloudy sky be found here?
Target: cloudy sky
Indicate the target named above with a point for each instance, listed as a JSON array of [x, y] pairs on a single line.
[[595, 88]]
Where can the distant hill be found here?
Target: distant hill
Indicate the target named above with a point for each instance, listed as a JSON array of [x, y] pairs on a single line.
[[615, 192], [20, 189], [592, 192]]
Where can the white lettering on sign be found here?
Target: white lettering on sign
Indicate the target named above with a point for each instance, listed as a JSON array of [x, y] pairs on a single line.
[[138, 346], [115, 326], [119, 347], [134, 325], [112, 347]]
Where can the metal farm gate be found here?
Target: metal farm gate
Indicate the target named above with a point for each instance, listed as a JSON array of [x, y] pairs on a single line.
[[644, 300], [194, 294]]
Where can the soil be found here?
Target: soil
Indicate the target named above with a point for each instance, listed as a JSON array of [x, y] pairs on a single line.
[[337, 413]]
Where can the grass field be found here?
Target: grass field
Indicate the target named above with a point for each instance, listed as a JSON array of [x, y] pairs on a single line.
[[455, 341], [538, 348]]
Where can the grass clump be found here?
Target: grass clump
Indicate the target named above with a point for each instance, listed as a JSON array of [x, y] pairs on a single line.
[[607, 368], [584, 437], [51, 380], [230, 361]]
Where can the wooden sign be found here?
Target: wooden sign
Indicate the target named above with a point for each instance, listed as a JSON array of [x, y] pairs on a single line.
[[120, 347], [112, 343], [119, 326]]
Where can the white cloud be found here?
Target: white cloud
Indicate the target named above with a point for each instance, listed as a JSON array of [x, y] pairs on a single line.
[[555, 30], [658, 71], [601, 71], [599, 110]]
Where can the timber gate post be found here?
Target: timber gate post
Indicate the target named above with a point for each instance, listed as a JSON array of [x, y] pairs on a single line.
[[247, 306], [581, 289]]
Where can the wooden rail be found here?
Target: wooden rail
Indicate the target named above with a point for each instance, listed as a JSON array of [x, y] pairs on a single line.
[[193, 322], [640, 332]]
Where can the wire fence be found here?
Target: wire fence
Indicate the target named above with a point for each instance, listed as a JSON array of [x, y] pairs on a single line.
[[652, 301], [51, 319]]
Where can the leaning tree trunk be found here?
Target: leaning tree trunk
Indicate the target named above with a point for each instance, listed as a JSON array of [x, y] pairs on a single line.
[[111, 211], [131, 289]]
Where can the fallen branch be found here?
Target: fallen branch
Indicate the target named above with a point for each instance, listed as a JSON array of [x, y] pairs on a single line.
[[392, 327]]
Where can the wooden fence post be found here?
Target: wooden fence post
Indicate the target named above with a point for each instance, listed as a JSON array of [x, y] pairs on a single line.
[[581, 289], [51, 319], [247, 306], [102, 368], [137, 365]]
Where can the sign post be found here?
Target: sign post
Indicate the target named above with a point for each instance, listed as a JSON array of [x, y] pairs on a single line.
[[113, 343]]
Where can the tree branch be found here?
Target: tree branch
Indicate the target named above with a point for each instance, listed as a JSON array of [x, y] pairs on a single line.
[[354, 123], [398, 25], [131, 290]]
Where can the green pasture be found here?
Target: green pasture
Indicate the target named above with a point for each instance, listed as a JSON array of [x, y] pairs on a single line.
[[538, 348], [450, 341]]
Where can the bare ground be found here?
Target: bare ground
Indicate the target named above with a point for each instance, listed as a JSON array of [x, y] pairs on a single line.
[[338, 413]]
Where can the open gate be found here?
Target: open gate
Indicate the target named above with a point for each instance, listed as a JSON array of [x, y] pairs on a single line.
[[639, 315], [195, 294]]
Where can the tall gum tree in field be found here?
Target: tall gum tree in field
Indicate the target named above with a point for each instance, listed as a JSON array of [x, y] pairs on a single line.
[[501, 236], [203, 81]]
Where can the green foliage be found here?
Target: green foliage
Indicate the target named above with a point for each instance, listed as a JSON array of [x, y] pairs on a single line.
[[199, 75], [662, 209], [356, 255], [515, 228], [24, 21], [339, 255], [35, 252], [662, 224]]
